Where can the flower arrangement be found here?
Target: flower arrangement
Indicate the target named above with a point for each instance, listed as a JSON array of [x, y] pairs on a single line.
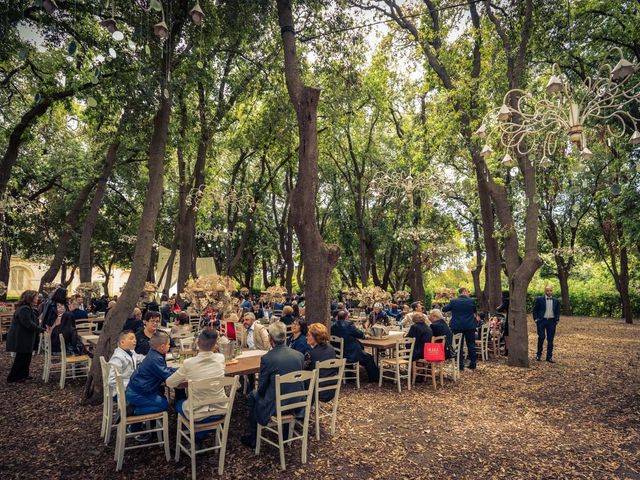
[[370, 295], [401, 296], [88, 289], [443, 295], [350, 293], [244, 291], [273, 294], [214, 291]]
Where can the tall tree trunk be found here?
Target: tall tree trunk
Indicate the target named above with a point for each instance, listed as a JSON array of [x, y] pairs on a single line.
[[415, 277], [563, 277], [483, 303], [69, 226], [318, 257], [151, 272], [627, 313], [5, 266], [142, 255], [92, 215]]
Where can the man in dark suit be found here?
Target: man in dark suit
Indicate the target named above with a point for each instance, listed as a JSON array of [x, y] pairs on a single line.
[[546, 314], [464, 319], [353, 350], [280, 360]]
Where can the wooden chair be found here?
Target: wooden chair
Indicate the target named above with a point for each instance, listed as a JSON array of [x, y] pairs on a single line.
[[482, 344], [328, 384], [78, 364], [398, 363], [187, 427], [161, 428], [5, 323], [351, 370], [109, 408], [452, 365], [424, 369], [298, 399]]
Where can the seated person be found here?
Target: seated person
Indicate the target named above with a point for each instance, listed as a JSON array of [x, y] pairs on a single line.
[[403, 313], [72, 341], [169, 311], [182, 326], [258, 311], [257, 335], [125, 359], [75, 308], [334, 313], [407, 319], [144, 335], [393, 311], [280, 360], [228, 325], [287, 315], [353, 350], [134, 323], [440, 328], [377, 315], [298, 339], [144, 389], [208, 364], [421, 332], [321, 350]]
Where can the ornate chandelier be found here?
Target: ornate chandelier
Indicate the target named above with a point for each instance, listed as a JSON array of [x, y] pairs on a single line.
[[566, 112]]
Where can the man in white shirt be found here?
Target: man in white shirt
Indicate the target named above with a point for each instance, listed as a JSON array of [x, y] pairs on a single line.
[[257, 335], [207, 365], [546, 314], [125, 359]]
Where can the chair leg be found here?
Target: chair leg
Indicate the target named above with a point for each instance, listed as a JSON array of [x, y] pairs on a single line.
[[334, 416], [165, 436], [63, 375], [223, 448], [317, 414], [398, 377], [305, 440], [380, 376], [120, 449], [178, 438], [281, 446], [258, 439], [357, 375]]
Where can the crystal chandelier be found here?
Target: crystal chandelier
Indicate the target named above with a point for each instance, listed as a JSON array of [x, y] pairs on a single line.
[[564, 113]]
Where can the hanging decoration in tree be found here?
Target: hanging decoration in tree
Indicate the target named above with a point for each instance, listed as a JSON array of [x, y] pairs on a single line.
[[197, 15], [563, 113], [160, 30]]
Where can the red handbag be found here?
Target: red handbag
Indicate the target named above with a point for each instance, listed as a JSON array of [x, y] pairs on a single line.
[[434, 352]]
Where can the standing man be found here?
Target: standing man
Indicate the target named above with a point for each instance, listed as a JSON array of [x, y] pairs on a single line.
[[464, 319], [546, 314]]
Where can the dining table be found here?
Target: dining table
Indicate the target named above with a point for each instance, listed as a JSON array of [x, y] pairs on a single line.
[[386, 342], [247, 363]]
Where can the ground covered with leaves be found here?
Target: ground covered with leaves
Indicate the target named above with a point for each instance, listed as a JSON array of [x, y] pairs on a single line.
[[578, 418]]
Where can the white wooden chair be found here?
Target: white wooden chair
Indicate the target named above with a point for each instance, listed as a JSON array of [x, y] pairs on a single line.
[[452, 365], [482, 344], [300, 398], [109, 408], [187, 427], [161, 428], [351, 370], [398, 363], [328, 384], [79, 365], [424, 369]]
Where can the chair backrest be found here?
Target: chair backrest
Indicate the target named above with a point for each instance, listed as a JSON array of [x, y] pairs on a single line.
[[338, 345], [484, 331], [456, 344], [106, 368], [185, 343], [47, 345], [297, 399], [404, 347], [211, 388], [333, 382], [120, 392], [85, 327], [63, 349]]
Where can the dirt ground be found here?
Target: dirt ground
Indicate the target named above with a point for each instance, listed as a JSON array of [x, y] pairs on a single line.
[[576, 419]]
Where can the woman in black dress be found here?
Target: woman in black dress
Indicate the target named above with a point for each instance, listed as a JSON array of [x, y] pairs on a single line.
[[321, 350], [22, 335], [421, 332]]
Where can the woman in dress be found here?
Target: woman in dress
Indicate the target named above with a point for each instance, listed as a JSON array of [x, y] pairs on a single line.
[[22, 335]]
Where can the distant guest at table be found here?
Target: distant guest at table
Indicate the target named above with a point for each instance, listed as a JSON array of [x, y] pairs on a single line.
[[353, 350], [546, 314], [134, 322], [53, 306], [440, 328], [377, 315], [182, 326], [228, 326], [207, 365], [421, 332], [279, 361], [22, 335], [287, 315], [407, 319], [256, 335], [75, 308], [169, 311], [143, 336], [298, 339], [464, 319], [321, 350], [144, 389], [72, 340], [125, 359]]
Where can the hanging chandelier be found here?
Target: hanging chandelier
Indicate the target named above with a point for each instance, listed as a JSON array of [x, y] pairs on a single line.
[[563, 114]]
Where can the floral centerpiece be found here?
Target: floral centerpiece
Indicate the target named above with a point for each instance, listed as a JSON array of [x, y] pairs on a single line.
[[273, 294], [401, 296], [214, 291], [350, 293], [244, 291], [49, 287], [370, 295], [444, 295], [88, 289]]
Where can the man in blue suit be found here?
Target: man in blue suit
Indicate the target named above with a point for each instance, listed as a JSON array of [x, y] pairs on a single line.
[[280, 360], [546, 314], [353, 350], [464, 319]]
